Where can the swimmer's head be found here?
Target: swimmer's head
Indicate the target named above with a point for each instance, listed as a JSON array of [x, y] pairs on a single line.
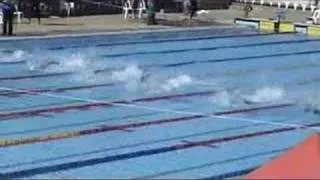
[[145, 76]]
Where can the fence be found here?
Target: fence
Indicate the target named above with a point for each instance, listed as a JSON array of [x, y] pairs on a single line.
[[295, 4]]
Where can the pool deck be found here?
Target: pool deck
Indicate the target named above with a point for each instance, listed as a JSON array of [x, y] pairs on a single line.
[[115, 23]]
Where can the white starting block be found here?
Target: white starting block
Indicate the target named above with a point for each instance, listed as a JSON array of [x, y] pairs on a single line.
[[71, 4], [18, 14], [69, 7], [142, 8], [128, 8], [315, 18]]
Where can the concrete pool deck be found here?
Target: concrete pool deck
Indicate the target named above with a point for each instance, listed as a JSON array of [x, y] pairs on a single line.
[[114, 23]]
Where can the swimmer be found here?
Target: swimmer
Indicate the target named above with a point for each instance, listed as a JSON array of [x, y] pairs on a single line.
[[247, 9], [312, 108], [247, 101], [43, 65], [145, 76], [48, 65]]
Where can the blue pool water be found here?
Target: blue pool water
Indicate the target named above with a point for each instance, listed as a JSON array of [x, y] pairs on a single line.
[[197, 103]]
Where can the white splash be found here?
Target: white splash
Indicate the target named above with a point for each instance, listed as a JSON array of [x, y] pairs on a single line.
[[265, 95], [130, 75], [76, 63], [222, 99], [176, 82], [81, 65], [16, 56]]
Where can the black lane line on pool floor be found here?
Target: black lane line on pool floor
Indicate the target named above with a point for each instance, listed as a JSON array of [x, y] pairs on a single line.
[[62, 89], [180, 64], [12, 62], [210, 48], [206, 145], [210, 164], [144, 143], [126, 117], [12, 115], [143, 153], [77, 124], [116, 148], [299, 83], [92, 86], [34, 92], [159, 41], [102, 129], [56, 90], [33, 76], [168, 40], [187, 49], [258, 57], [192, 49]]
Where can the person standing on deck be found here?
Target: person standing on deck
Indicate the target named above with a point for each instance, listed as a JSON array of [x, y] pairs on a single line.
[[194, 8], [152, 8], [8, 10], [190, 7], [135, 6], [247, 9], [36, 10]]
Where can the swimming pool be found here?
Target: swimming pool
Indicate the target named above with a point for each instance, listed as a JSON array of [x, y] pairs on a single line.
[[202, 103]]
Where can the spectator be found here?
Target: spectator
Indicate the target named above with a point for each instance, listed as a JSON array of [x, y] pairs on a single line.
[[190, 8], [247, 9], [135, 6], [152, 8], [36, 10], [8, 10], [194, 8]]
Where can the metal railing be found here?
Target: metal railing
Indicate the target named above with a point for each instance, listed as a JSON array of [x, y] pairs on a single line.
[[294, 4]]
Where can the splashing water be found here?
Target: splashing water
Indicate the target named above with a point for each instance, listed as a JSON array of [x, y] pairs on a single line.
[[265, 95], [16, 56], [131, 76], [177, 82], [222, 99], [159, 83], [82, 66], [76, 63]]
